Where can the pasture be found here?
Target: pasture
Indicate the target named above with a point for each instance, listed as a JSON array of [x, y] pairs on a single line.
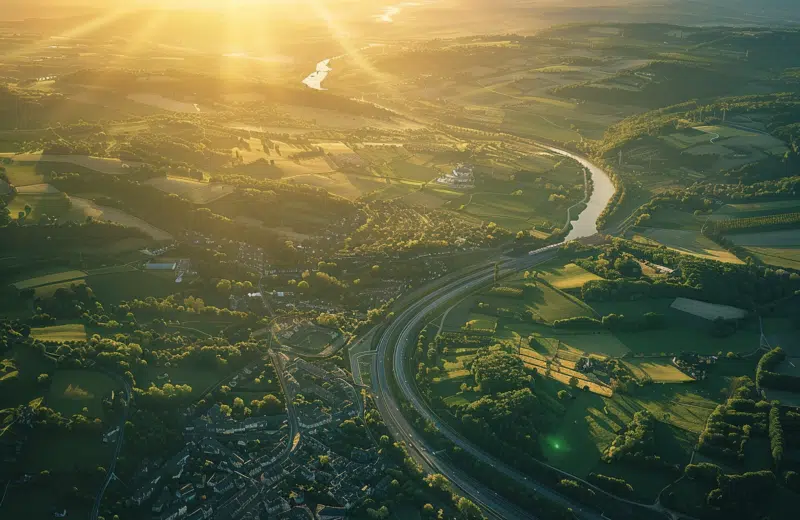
[[116, 287], [43, 200], [99, 164], [708, 311], [73, 390], [64, 276], [776, 248], [577, 439], [549, 304], [757, 209], [568, 276], [657, 370], [788, 257], [687, 242], [350, 186], [477, 321], [69, 332], [105, 213], [194, 191]]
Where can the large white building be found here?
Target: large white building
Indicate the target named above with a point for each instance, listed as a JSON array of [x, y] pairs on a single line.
[[461, 177]]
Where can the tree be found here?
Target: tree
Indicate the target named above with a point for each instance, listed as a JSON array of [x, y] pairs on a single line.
[[43, 379], [224, 286], [497, 371], [468, 510], [438, 482], [303, 286], [381, 513]]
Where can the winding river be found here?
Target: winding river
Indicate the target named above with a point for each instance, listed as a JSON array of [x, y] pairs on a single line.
[[603, 190]]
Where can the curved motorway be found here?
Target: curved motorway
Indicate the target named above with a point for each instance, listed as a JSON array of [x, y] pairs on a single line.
[[401, 335]]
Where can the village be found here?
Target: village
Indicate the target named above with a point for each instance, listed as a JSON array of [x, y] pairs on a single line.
[[264, 467]]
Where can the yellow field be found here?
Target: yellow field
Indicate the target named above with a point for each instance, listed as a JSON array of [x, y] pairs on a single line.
[[37, 189], [194, 191], [657, 370], [345, 185], [569, 276], [72, 332], [561, 372], [99, 164]]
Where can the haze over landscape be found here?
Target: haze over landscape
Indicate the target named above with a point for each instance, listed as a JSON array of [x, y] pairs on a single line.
[[424, 259]]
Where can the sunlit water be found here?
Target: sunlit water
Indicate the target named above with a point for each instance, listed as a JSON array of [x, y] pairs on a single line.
[[603, 190]]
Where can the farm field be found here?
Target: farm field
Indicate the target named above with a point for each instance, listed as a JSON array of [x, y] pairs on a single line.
[[98, 212], [732, 147], [602, 343], [756, 209], [568, 276], [591, 422], [117, 287], [197, 378], [73, 390], [476, 321], [64, 276], [691, 337], [71, 332], [657, 370], [46, 201], [548, 304], [777, 248], [563, 374], [708, 311], [351, 186], [687, 242], [194, 191], [98, 164]]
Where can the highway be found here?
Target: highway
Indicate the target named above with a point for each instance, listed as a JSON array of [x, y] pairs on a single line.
[[401, 335], [404, 326]]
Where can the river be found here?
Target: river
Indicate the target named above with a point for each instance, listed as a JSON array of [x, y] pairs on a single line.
[[603, 190]]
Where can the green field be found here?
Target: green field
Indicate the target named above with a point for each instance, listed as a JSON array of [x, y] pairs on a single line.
[[549, 304], [777, 248], [757, 209], [657, 370], [73, 390], [687, 242], [198, 378], [70, 332], [477, 321], [568, 276], [64, 276], [603, 343], [579, 437], [116, 287]]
